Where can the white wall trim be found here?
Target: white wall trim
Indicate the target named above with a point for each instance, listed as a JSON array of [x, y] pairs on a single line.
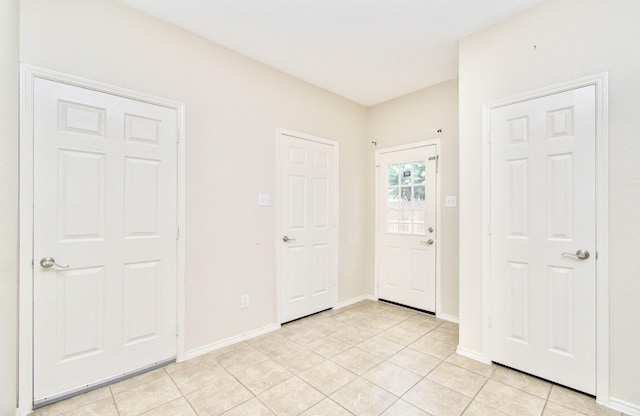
[[378, 153], [449, 318], [336, 211], [229, 341], [474, 355], [622, 406], [601, 83], [352, 301], [28, 73]]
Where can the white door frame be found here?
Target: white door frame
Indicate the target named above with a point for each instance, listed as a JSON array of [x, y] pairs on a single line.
[[415, 145], [28, 74], [601, 83], [278, 238]]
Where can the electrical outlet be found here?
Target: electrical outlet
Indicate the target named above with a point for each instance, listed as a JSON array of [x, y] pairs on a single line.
[[450, 201], [244, 301]]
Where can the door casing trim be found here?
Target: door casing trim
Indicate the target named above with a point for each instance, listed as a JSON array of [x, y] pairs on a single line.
[[432, 142], [336, 212], [601, 83], [28, 73]]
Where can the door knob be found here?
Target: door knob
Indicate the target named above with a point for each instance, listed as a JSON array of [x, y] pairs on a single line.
[[427, 243], [47, 262], [580, 254], [287, 239]]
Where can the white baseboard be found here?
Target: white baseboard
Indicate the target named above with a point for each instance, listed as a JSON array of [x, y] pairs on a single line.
[[351, 301], [449, 318], [622, 406], [229, 341], [474, 355], [260, 331]]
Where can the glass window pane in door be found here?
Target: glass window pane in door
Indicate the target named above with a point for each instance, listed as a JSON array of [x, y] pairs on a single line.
[[405, 228], [393, 173], [405, 193], [419, 172], [393, 194], [406, 174]]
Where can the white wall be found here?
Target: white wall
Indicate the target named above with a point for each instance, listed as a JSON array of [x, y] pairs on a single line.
[[417, 117], [8, 204], [233, 108], [572, 38]]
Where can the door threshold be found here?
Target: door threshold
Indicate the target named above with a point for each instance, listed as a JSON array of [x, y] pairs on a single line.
[[543, 379], [306, 316], [408, 307], [90, 387]]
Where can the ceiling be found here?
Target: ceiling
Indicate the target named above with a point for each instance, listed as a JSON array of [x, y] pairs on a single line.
[[368, 51]]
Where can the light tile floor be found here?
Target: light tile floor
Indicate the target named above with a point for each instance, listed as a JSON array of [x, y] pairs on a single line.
[[371, 358]]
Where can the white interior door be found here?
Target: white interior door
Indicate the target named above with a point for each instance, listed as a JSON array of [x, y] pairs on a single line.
[[105, 206], [406, 231], [308, 225], [543, 206]]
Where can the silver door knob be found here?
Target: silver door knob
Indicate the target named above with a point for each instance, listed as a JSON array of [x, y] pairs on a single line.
[[287, 239], [580, 255], [47, 262], [427, 243]]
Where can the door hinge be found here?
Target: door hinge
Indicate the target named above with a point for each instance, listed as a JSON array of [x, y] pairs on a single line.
[[177, 329], [177, 136], [490, 321], [178, 232]]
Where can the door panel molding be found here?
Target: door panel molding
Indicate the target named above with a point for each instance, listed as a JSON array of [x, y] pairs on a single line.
[[600, 81], [29, 74], [378, 153]]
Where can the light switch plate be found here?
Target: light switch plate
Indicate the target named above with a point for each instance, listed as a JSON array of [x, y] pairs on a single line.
[[450, 201], [264, 200]]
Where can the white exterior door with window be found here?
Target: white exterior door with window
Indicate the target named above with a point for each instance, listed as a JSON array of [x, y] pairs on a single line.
[[543, 237], [104, 252], [406, 226], [308, 237]]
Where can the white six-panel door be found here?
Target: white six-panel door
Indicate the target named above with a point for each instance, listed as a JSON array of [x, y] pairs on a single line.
[[406, 230], [543, 219], [105, 206], [308, 225]]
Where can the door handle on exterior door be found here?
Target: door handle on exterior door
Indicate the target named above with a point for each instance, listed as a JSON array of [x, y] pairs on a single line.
[[427, 243], [287, 239], [47, 262], [580, 255]]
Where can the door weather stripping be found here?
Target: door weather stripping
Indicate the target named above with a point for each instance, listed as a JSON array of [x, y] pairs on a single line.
[[437, 159]]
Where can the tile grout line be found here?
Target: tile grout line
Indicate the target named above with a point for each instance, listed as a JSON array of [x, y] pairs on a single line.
[[372, 319]]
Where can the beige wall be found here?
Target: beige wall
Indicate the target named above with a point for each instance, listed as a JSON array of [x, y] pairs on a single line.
[[233, 108], [573, 38], [8, 204], [412, 118]]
